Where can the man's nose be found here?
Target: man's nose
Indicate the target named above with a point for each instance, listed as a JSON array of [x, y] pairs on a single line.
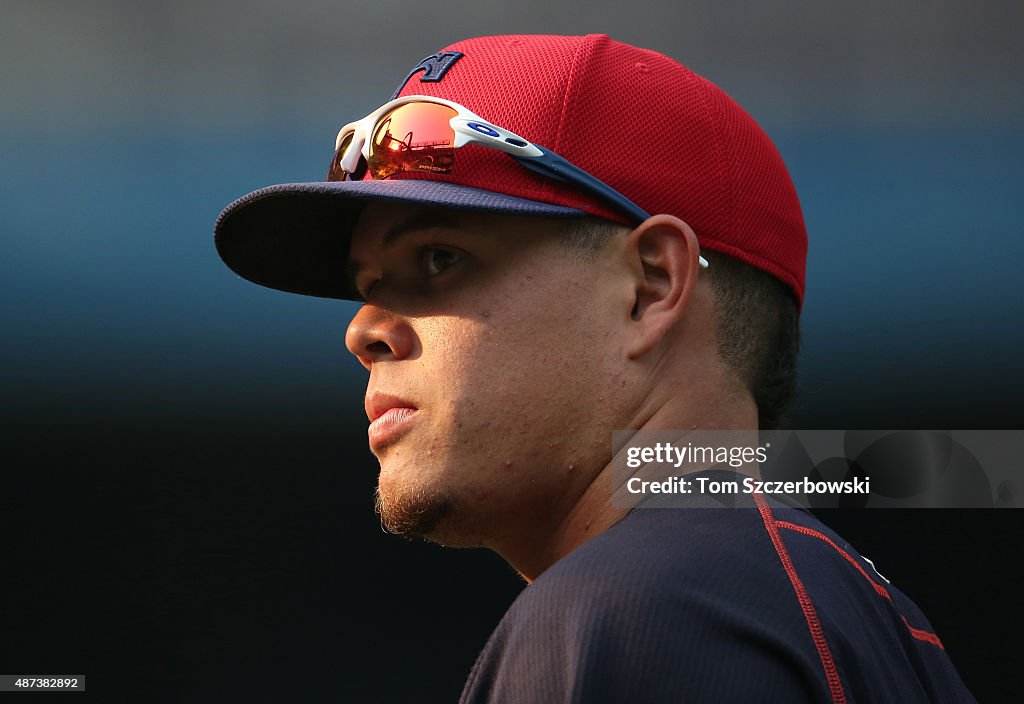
[[376, 335]]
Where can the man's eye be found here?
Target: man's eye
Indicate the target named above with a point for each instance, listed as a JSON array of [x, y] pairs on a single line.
[[364, 290], [436, 260]]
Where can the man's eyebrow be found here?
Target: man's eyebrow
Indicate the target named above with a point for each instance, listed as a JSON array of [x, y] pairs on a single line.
[[420, 221]]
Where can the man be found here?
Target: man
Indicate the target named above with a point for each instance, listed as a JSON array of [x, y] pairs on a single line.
[[555, 238]]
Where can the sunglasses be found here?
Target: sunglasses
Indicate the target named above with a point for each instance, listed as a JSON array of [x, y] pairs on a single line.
[[421, 133]]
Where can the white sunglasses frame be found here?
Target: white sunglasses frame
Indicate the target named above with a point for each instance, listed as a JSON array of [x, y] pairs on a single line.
[[470, 128]]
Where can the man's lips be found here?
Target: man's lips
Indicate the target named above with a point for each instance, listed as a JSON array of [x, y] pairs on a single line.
[[389, 426], [389, 417], [377, 404]]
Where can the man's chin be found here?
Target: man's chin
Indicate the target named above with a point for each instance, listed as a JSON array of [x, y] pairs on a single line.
[[413, 514]]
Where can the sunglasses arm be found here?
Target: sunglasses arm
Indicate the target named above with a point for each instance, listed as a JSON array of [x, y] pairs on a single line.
[[555, 167], [552, 166]]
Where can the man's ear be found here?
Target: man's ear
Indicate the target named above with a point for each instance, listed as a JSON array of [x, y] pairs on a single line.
[[663, 253]]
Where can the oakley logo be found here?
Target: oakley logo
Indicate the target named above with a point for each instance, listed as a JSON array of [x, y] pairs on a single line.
[[434, 67], [483, 129]]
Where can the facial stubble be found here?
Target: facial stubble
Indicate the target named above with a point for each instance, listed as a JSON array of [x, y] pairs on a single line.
[[413, 514]]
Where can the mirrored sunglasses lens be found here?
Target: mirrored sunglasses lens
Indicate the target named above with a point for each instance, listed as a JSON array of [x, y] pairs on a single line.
[[413, 137]]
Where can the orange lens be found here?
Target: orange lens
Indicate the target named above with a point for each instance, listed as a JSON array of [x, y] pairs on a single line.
[[413, 137], [335, 172]]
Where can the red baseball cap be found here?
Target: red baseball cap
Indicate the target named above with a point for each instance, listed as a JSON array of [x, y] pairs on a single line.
[[665, 138]]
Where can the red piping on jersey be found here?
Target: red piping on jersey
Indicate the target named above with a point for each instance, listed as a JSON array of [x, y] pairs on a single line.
[[821, 536], [922, 635], [926, 636], [810, 615]]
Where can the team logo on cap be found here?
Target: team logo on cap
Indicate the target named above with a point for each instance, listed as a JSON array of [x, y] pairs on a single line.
[[434, 67]]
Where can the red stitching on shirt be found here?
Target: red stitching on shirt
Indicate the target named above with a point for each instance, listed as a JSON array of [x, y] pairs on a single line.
[[813, 625], [821, 536], [926, 636]]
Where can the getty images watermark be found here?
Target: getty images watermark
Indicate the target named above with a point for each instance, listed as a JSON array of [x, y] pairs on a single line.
[[819, 468]]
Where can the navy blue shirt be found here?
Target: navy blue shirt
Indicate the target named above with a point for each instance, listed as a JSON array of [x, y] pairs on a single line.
[[760, 603]]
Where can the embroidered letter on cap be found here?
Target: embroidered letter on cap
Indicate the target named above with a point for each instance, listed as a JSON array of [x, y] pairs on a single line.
[[434, 67]]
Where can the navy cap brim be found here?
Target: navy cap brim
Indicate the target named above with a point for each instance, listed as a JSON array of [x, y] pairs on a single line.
[[295, 236]]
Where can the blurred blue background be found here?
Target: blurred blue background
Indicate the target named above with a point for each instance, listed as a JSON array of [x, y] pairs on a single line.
[[126, 127], [144, 382]]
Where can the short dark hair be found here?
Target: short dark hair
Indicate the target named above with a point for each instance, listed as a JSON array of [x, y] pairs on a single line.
[[758, 320], [758, 326]]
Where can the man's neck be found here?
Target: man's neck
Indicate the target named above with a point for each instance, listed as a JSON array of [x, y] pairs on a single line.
[[594, 511]]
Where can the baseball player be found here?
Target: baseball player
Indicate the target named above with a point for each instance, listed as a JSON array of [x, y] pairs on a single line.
[[554, 238]]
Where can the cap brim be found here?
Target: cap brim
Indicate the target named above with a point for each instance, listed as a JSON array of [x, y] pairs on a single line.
[[295, 236]]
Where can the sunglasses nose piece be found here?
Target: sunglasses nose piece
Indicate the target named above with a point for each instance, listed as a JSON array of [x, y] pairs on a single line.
[[350, 160]]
